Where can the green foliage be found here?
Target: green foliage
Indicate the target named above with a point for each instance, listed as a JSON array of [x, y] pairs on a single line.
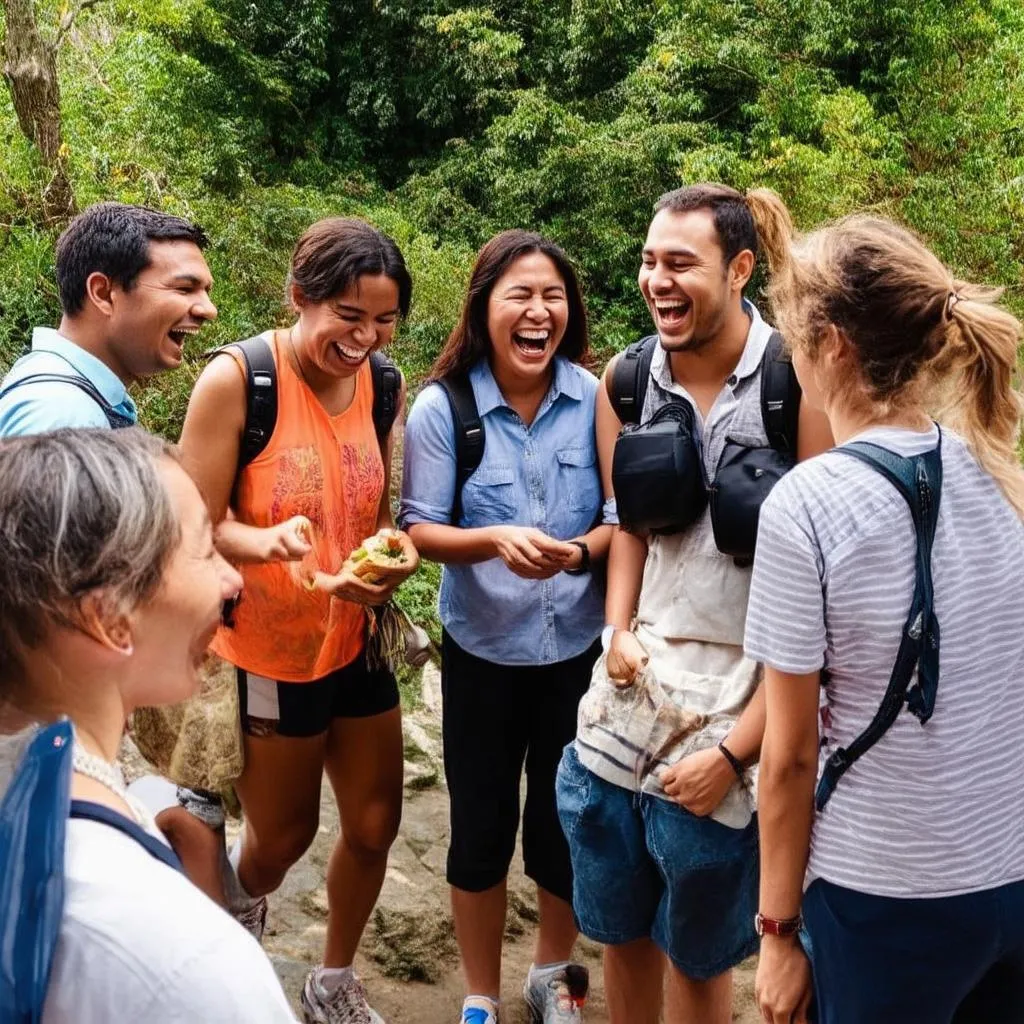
[[444, 121]]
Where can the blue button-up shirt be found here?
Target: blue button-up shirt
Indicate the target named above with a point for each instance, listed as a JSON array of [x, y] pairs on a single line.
[[544, 475], [45, 405]]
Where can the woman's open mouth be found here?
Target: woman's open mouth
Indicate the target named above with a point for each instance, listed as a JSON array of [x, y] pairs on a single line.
[[532, 344], [350, 355]]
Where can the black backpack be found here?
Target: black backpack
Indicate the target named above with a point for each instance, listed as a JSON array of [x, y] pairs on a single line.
[[658, 471], [780, 390], [116, 419], [261, 393]]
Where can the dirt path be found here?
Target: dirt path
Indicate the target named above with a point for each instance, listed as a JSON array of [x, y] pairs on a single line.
[[408, 957]]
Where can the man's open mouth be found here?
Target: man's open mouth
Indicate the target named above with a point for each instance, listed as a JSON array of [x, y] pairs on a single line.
[[672, 313], [179, 335]]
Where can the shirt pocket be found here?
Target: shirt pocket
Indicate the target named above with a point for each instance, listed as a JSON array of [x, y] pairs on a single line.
[[579, 479], [488, 496]]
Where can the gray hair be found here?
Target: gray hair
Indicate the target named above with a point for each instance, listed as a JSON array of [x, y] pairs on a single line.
[[81, 511]]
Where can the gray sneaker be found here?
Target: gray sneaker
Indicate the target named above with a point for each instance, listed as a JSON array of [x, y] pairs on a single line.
[[253, 918], [556, 996], [347, 1005]]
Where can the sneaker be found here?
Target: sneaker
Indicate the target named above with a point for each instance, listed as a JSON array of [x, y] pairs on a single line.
[[253, 918], [556, 995], [479, 1010], [347, 1005]]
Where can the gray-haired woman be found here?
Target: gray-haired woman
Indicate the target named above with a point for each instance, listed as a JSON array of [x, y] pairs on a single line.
[[110, 590]]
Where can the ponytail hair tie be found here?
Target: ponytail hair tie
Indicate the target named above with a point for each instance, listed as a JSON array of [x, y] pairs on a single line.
[[951, 300]]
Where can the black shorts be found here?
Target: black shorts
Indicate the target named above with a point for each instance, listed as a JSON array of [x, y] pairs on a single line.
[[496, 719], [268, 707]]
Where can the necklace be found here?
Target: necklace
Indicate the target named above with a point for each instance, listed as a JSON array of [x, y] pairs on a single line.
[[110, 776], [295, 356]]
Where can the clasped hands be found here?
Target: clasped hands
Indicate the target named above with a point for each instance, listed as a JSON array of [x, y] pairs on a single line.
[[532, 555]]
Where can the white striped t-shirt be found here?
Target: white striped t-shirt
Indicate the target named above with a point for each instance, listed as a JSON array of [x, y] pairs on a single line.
[[931, 810]]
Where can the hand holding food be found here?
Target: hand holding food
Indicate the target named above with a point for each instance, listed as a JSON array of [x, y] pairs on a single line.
[[373, 571], [387, 555]]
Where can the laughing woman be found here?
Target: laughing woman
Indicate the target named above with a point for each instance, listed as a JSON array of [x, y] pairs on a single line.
[[311, 702], [521, 608]]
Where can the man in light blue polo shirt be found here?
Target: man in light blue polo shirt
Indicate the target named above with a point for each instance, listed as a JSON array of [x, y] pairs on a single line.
[[134, 287]]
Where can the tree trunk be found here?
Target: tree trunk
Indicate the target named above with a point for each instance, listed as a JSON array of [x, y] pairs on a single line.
[[30, 67]]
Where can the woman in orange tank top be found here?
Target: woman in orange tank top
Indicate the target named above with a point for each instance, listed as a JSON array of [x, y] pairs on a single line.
[[290, 518]]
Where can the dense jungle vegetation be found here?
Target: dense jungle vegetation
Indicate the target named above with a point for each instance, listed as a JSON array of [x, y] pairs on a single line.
[[444, 121]]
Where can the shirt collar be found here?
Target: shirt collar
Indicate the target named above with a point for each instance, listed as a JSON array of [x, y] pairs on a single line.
[[109, 385], [753, 351], [566, 381]]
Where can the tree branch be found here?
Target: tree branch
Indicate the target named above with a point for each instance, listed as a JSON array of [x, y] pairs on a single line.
[[69, 19]]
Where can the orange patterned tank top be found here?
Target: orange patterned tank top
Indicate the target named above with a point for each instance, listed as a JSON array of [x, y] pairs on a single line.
[[329, 469]]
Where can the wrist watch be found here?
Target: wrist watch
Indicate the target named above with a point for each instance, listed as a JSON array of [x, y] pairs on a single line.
[[770, 926], [584, 562]]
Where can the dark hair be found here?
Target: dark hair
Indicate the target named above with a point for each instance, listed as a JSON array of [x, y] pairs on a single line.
[[734, 223], [335, 252], [113, 239], [470, 341]]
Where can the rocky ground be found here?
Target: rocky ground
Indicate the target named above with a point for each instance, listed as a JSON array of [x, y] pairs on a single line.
[[408, 957]]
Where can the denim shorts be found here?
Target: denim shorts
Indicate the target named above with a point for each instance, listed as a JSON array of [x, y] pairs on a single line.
[[643, 867]]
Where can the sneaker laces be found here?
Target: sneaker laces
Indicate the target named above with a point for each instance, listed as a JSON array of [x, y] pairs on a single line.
[[350, 998]]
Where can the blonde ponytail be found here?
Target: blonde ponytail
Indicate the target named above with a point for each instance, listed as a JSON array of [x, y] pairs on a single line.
[[973, 375], [774, 227]]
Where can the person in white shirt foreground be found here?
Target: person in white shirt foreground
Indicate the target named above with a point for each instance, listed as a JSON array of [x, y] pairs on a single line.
[[910, 876], [110, 590]]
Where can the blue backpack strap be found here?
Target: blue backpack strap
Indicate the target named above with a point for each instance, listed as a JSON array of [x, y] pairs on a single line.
[[33, 823], [89, 811], [116, 419], [919, 481]]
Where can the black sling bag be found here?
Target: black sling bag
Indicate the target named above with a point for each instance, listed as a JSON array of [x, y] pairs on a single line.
[[919, 481]]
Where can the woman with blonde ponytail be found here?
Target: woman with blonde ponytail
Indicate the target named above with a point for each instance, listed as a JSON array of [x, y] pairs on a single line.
[[893, 567]]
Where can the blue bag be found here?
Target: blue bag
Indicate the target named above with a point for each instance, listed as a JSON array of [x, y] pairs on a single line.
[[33, 822]]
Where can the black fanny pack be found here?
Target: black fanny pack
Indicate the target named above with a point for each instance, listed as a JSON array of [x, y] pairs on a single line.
[[657, 469], [657, 473]]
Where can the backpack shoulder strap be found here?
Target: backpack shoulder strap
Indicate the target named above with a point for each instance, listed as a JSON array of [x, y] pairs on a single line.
[[919, 482], [469, 434], [627, 385], [780, 396], [261, 395], [114, 418], [387, 385]]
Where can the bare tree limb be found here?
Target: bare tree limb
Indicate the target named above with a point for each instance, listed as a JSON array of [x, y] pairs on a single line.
[[69, 19]]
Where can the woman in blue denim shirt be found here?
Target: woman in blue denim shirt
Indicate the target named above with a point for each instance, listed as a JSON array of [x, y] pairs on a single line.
[[521, 607]]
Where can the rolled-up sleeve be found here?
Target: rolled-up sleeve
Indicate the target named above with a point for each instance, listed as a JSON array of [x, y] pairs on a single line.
[[428, 470]]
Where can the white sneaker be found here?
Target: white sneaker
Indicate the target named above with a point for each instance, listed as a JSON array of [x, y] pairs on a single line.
[[346, 1005], [557, 994], [479, 1010]]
